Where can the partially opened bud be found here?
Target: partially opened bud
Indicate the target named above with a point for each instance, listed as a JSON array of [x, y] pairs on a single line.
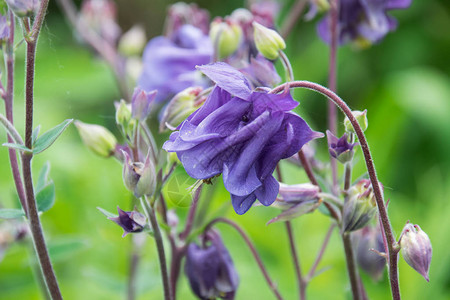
[[130, 221], [267, 41], [340, 148], [416, 249], [226, 35], [23, 8], [210, 270], [141, 103], [139, 178], [360, 206], [97, 138], [361, 117], [133, 41], [179, 108]]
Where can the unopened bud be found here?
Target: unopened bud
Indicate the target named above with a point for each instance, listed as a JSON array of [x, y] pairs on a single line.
[[366, 240], [139, 178], [416, 249], [4, 30], [97, 138], [130, 221], [226, 36], [268, 41], [123, 114], [340, 148], [360, 206], [23, 8], [141, 103], [133, 41], [361, 117], [179, 108]]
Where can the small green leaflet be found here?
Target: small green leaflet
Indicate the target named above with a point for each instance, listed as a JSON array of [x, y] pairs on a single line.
[[11, 213], [46, 197], [49, 137], [17, 147]]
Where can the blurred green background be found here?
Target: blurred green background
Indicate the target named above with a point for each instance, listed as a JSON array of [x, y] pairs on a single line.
[[403, 82]]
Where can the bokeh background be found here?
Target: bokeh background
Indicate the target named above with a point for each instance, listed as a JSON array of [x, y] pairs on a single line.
[[403, 82]]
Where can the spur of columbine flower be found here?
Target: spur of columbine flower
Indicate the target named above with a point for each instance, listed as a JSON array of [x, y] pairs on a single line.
[[363, 21], [242, 134]]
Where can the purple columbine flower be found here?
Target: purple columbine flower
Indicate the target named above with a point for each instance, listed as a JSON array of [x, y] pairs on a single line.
[[242, 134], [363, 20], [340, 148], [210, 270], [169, 63], [130, 221]]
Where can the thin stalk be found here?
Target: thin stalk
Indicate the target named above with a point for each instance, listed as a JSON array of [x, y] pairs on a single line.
[[252, 248], [300, 282], [392, 244], [287, 66], [313, 269], [9, 107], [159, 247], [191, 214], [131, 284], [351, 266], [294, 14]]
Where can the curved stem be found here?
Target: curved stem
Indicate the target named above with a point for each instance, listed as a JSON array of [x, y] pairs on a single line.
[[321, 252], [392, 244], [191, 214], [247, 240]]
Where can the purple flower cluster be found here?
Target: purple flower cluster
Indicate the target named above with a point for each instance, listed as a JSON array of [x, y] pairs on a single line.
[[242, 134], [364, 20]]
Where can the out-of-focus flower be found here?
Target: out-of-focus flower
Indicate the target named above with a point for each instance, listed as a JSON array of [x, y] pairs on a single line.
[[97, 138], [130, 221], [261, 72], [416, 249], [265, 12], [210, 270], [4, 29], [366, 239], [179, 108], [139, 178], [181, 13], [316, 6], [226, 35], [169, 63], [340, 148], [360, 206], [24, 8], [361, 117], [141, 103], [267, 41], [100, 16], [133, 41], [363, 21], [242, 134]]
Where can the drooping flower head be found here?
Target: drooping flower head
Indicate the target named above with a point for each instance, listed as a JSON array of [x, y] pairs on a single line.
[[242, 134], [210, 270], [169, 63], [130, 221], [364, 21]]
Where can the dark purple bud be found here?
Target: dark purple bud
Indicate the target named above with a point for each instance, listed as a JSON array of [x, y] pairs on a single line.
[[130, 221], [416, 249], [141, 103], [371, 262], [340, 148], [360, 206], [210, 270]]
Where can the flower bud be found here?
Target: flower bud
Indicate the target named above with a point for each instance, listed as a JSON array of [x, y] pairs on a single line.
[[139, 178], [361, 117], [267, 41], [226, 36], [416, 249], [130, 221], [340, 149], [97, 138], [372, 263], [141, 103], [123, 114], [133, 41], [4, 30], [210, 270], [179, 108], [360, 206], [23, 8]]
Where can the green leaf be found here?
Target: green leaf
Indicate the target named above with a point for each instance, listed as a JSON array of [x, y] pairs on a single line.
[[35, 134], [66, 248], [49, 137], [46, 197], [43, 177], [11, 213], [106, 213], [17, 147]]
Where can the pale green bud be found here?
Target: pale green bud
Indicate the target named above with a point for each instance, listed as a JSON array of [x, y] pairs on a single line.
[[97, 138], [226, 36], [361, 117], [123, 114], [267, 41], [133, 41]]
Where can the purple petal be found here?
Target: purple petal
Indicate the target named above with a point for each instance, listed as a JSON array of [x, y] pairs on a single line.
[[268, 192], [242, 204], [397, 4]]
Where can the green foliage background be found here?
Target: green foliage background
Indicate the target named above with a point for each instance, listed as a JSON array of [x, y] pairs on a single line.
[[403, 82]]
